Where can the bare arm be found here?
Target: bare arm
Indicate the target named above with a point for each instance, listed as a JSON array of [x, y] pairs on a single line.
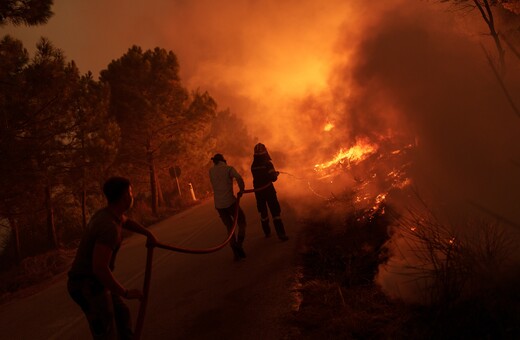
[[136, 227], [100, 266], [239, 179]]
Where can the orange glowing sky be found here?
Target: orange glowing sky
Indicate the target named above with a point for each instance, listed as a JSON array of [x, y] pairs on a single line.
[[254, 57]]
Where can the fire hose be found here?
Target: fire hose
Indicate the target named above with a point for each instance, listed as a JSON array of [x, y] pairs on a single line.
[[308, 180], [149, 261]]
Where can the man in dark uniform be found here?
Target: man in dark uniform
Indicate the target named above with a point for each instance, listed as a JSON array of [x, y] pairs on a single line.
[[91, 283], [264, 175]]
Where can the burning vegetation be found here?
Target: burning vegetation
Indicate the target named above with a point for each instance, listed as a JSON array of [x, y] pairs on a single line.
[[412, 229], [377, 243]]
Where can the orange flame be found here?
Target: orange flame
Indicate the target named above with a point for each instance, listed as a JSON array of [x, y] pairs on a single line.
[[358, 152], [329, 126]]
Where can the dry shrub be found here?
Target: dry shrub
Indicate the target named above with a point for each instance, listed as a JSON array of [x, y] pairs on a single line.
[[466, 273], [464, 276], [33, 271], [340, 300], [450, 261]]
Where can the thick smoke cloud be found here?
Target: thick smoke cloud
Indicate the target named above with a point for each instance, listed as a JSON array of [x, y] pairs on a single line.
[[421, 74], [417, 73]]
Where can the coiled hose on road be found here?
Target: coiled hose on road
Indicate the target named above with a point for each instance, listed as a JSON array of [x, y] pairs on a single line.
[[149, 262]]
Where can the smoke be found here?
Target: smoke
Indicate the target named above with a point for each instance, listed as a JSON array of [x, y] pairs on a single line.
[[394, 71], [409, 72], [258, 58], [420, 73]]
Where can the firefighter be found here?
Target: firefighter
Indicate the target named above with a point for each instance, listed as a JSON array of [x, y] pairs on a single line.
[[221, 176], [264, 174]]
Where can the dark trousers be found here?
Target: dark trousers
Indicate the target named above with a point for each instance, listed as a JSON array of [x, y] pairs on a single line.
[[267, 199], [102, 309], [227, 216]]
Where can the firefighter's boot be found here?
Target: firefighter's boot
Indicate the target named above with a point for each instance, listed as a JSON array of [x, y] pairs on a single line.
[[280, 230], [240, 240], [265, 226], [240, 250]]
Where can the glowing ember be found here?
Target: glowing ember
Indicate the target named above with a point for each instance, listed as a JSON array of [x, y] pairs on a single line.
[[380, 198], [357, 153], [399, 179], [403, 184], [328, 127]]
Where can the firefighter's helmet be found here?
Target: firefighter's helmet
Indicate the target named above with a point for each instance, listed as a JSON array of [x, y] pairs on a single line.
[[260, 149]]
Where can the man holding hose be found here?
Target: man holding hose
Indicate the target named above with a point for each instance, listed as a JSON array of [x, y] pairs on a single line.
[[221, 176], [91, 283]]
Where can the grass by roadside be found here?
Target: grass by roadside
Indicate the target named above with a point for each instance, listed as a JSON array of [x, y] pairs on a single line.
[[34, 273], [339, 298]]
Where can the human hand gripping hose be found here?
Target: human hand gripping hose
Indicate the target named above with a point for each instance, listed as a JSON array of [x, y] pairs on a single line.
[[149, 261]]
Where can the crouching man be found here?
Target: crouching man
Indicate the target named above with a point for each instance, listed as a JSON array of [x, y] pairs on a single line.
[[91, 283]]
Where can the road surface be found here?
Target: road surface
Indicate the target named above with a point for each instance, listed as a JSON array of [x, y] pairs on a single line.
[[207, 296]]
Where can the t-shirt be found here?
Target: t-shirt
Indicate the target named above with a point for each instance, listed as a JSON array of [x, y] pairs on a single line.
[[221, 176], [105, 228]]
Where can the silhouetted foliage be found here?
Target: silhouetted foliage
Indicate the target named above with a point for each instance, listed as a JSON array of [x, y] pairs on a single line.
[[147, 100], [509, 12], [53, 127], [94, 142], [25, 12], [62, 134]]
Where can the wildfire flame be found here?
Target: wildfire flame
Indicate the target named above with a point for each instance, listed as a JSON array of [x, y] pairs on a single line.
[[329, 126], [357, 153], [385, 172]]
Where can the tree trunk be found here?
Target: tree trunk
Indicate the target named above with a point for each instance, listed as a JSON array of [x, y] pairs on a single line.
[[178, 185], [487, 15], [84, 185], [51, 228], [16, 240], [84, 205], [160, 196], [153, 183]]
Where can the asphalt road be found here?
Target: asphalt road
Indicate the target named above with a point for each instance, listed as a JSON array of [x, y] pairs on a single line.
[[206, 296]]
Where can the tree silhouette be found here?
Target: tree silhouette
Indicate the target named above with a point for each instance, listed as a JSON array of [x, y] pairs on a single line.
[[147, 100], [36, 122], [484, 7], [25, 12]]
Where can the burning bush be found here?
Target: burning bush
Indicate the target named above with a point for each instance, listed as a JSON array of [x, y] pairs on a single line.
[[378, 235]]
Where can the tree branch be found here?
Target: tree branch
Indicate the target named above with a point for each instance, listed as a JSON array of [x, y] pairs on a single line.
[[501, 82]]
